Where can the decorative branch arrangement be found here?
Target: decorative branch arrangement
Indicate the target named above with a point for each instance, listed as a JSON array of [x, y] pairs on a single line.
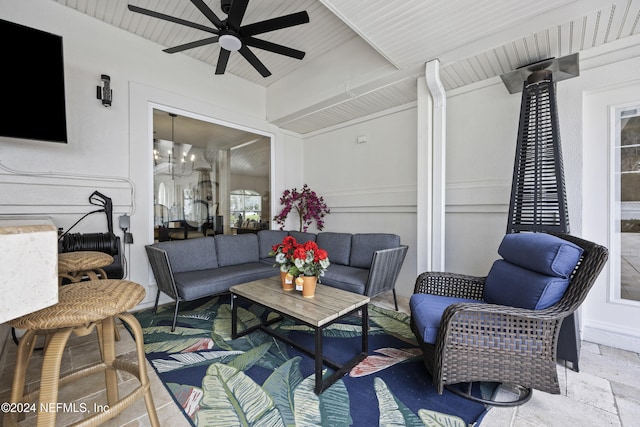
[[307, 203]]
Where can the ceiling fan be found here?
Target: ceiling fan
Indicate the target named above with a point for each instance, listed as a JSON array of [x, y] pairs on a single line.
[[231, 35]]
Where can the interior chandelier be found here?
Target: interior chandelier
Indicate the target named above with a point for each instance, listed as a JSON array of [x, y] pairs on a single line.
[[177, 158]]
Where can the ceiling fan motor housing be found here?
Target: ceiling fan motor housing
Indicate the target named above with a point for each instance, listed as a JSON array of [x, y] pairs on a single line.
[[225, 5]]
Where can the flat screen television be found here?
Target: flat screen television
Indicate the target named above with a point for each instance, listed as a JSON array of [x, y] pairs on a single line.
[[32, 75]]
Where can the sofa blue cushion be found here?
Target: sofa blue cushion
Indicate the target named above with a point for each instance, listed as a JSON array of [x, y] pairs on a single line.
[[347, 278], [236, 249], [512, 285], [267, 239], [541, 252], [363, 245], [426, 311], [191, 254], [337, 245], [197, 284], [302, 237]]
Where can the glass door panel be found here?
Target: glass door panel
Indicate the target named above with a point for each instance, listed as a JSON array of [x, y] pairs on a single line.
[[626, 158]]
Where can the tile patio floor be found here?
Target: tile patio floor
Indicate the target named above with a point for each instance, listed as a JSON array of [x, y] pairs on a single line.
[[606, 392]]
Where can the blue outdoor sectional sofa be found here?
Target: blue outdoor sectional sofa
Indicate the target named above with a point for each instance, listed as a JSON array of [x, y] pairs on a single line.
[[185, 270]]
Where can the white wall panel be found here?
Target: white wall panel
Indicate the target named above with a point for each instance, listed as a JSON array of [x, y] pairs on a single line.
[[370, 187]]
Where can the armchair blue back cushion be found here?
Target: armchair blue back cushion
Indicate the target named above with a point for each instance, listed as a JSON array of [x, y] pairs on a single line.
[[534, 272]]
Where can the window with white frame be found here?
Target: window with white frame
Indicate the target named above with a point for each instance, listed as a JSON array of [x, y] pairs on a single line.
[[626, 192], [246, 208]]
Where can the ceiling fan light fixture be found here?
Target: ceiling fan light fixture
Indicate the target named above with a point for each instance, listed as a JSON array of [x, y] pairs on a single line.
[[231, 35], [230, 42]]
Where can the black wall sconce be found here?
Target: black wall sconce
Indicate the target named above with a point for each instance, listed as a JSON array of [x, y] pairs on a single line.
[[105, 93]]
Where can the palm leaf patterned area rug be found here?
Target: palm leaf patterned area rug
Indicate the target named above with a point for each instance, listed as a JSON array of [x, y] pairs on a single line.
[[257, 380]]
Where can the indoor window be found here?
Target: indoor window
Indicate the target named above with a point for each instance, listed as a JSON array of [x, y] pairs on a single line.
[[246, 208]]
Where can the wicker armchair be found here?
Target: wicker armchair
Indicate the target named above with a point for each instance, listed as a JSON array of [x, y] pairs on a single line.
[[495, 343]]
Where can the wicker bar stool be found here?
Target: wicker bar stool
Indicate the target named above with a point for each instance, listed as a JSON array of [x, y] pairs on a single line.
[[75, 266], [82, 307], [78, 265]]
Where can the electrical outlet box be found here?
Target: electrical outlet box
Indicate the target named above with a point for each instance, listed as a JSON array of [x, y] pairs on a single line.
[[128, 238], [124, 222]]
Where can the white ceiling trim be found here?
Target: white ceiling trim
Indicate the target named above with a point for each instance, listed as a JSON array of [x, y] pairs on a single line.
[[338, 12]]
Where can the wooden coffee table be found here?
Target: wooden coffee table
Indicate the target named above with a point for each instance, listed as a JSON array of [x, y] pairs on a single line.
[[324, 308]]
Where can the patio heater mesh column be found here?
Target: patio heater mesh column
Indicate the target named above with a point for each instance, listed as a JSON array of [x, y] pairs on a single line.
[[538, 197]]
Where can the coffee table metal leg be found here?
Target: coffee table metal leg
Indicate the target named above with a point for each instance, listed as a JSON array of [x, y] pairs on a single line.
[[365, 329], [234, 317], [318, 361]]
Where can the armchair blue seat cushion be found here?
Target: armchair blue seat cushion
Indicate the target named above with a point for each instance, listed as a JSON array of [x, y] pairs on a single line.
[[541, 252], [427, 309]]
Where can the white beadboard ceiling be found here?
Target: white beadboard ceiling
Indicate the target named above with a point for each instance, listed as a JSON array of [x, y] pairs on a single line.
[[474, 40]]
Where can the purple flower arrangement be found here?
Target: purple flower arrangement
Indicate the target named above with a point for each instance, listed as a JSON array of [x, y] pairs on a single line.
[[307, 203]]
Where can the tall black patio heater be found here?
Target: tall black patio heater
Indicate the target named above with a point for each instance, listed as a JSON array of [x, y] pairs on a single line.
[[538, 197], [538, 200]]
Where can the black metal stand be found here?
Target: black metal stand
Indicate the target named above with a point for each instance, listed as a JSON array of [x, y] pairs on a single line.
[[569, 341], [524, 395]]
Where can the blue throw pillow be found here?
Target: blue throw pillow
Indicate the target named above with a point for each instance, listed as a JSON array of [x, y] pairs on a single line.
[[509, 284], [426, 311], [541, 252]]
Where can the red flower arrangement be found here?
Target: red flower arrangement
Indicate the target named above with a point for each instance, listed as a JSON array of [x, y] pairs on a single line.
[[300, 259], [284, 253], [307, 203]]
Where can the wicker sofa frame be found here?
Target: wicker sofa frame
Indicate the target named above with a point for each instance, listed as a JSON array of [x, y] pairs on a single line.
[[496, 343]]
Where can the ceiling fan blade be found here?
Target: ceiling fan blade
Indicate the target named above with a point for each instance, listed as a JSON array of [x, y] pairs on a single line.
[[223, 58], [253, 60], [273, 47], [191, 45], [206, 11], [236, 13], [170, 18], [275, 24]]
